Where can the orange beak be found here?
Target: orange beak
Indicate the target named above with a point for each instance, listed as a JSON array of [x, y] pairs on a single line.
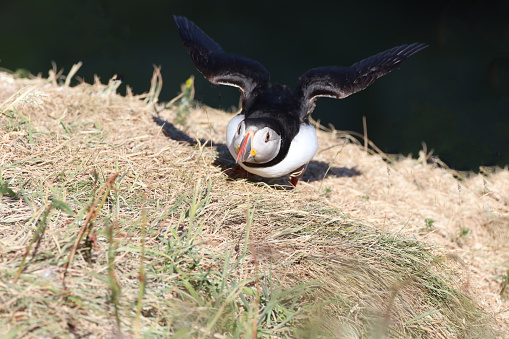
[[245, 147]]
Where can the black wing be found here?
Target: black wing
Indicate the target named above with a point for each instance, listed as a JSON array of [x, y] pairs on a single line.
[[215, 64], [340, 82]]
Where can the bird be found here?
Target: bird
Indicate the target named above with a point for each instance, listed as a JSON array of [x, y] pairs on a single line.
[[272, 136]]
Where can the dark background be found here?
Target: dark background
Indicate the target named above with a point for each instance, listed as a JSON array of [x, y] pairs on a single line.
[[454, 95]]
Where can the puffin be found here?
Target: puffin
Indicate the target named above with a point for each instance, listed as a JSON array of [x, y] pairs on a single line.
[[272, 136]]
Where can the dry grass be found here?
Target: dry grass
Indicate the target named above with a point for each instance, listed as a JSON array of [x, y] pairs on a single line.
[[179, 247]]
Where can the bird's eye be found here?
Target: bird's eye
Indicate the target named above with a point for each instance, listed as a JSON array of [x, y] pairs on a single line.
[[267, 137], [238, 129]]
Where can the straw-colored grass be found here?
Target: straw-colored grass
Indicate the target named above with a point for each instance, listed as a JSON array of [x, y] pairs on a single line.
[[111, 228]]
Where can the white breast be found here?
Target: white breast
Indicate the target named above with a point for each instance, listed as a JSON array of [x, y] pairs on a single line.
[[302, 149]]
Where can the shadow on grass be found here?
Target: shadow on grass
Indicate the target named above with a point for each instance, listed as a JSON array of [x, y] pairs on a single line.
[[316, 170]]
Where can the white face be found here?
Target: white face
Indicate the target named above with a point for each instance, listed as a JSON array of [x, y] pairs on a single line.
[[257, 145]]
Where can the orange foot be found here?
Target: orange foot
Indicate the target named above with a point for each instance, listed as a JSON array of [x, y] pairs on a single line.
[[296, 175], [238, 171]]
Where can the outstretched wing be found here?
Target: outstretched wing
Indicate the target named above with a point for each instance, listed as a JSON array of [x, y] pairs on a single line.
[[215, 64], [340, 82]]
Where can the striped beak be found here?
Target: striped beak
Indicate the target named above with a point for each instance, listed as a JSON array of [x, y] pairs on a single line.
[[245, 147]]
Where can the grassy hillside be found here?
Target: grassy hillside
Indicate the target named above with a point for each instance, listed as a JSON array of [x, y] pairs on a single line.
[[123, 217]]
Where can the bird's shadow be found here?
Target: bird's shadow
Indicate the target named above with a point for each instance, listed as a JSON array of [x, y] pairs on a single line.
[[316, 170]]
